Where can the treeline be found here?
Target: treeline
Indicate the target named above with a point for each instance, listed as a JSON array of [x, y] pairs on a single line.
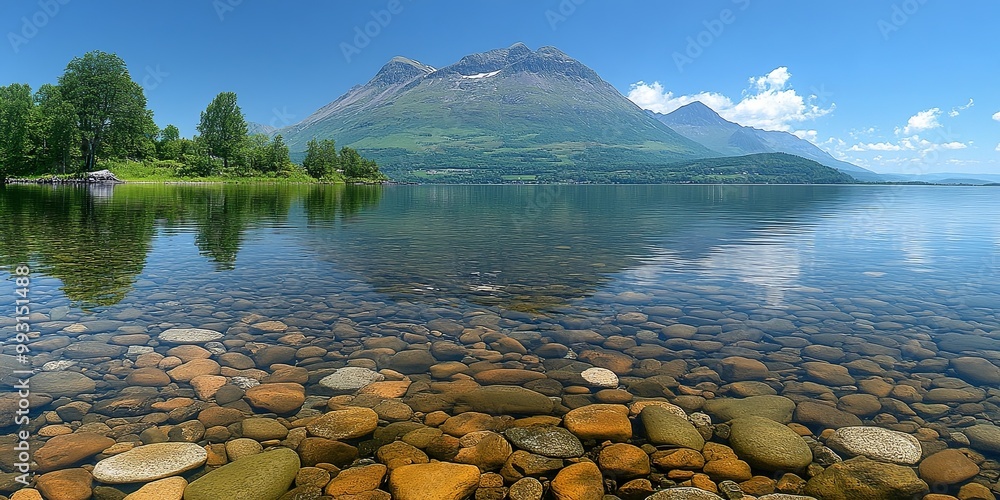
[[96, 117]]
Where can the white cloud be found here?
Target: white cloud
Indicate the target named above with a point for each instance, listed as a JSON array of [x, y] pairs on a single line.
[[953, 145], [809, 135], [958, 109], [654, 97], [774, 80], [996, 116], [924, 120], [998, 147], [878, 146], [770, 103]]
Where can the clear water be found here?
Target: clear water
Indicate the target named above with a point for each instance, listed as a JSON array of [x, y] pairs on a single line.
[[906, 264]]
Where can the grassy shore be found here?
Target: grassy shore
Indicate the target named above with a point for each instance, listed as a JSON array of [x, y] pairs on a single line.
[[166, 172]]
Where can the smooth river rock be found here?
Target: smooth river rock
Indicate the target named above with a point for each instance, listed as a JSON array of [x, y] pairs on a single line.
[[876, 443], [546, 440], [861, 478], [663, 427], [777, 408], [349, 423], [947, 467], [505, 400], [68, 449], [265, 476], [437, 480], [189, 336], [150, 462], [62, 383], [984, 437], [769, 445], [600, 377], [582, 481], [684, 493], [350, 379]]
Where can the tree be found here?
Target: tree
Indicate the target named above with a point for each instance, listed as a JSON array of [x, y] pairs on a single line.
[[170, 146], [170, 133], [57, 135], [15, 117], [223, 128], [321, 158], [108, 103], [356, 167], [254, 158], [277, 156]]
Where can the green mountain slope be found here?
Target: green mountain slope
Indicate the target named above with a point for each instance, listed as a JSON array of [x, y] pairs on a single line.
[[761, 168], [502, 114]]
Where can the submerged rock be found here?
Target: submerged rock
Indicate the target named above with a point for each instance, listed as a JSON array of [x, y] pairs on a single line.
[[505, 399], [582, 481], [189, 336], [350, 378], [438, 480], [547, 441], [600, 377], [876, 443], [265, 476], [860, 477], [663, 427], [150, 462], [777, 408], [684, 493], [769, 445]]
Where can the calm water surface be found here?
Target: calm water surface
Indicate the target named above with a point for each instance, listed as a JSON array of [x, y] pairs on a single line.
[[756, 271]]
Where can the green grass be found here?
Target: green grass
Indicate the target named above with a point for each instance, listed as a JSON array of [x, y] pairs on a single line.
[[166, 171]]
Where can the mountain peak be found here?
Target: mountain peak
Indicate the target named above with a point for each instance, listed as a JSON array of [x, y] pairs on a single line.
[[696, 113], [400, 69], [519, 47]]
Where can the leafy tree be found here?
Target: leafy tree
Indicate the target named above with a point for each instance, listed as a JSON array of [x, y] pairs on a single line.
[[108, 104], [356, 167], [135, 139], [15, 118], [170, 133], [223, 128], [56, 135], [170, 146], [254, 157], [321, 158], [277, 156]]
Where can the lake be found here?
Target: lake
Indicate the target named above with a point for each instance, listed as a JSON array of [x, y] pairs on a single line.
[[876, 303]]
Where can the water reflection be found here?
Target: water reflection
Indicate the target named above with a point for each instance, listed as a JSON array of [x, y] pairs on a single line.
[[528, 248]]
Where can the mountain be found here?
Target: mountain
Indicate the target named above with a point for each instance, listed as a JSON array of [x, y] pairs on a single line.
[[500, 115], [260, 128], [702, 124]]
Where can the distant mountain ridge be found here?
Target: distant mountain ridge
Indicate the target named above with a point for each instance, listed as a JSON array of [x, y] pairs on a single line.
[[702, 124], [515, 114], [509, 111]]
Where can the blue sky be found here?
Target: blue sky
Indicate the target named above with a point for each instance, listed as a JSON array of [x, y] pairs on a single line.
[[884, 84]]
